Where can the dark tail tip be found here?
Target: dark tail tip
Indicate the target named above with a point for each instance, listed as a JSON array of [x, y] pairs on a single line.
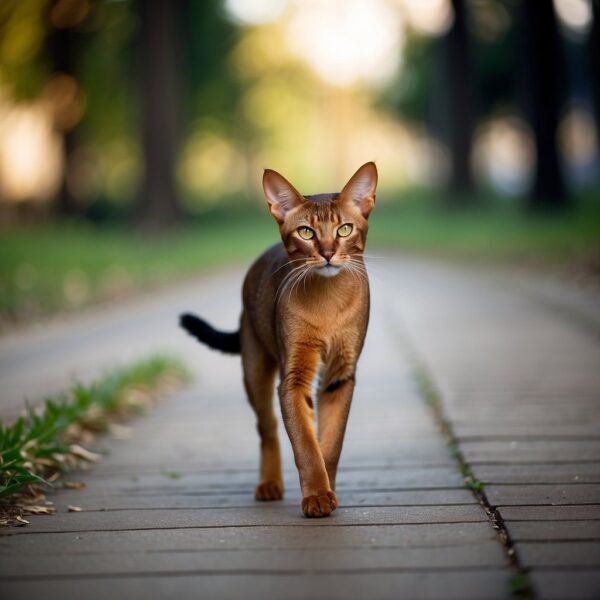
[[190, 322], [203, 332]]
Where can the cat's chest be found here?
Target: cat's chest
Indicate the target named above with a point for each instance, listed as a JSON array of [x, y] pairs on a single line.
[[327, 317]]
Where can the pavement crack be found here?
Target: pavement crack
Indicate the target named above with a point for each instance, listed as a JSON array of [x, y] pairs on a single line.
[[428, 390]]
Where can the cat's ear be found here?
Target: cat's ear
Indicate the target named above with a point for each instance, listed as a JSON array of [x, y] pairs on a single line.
[[281, 195], [360, 190]]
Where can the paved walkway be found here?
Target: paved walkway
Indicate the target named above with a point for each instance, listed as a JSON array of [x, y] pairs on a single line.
[[170, 511], [518, 367]]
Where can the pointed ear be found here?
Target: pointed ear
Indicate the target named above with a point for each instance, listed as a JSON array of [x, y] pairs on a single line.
[[360, 190], [281, 195]]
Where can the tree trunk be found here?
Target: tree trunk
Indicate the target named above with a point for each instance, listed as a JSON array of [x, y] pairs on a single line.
[[157, 205], [594, 59], [459, 91], [63, 50], [543, 81]]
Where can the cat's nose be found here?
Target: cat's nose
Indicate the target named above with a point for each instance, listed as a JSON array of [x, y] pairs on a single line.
[[327, 254]]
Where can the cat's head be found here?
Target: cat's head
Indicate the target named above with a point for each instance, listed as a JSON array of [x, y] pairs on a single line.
[[327, 231]]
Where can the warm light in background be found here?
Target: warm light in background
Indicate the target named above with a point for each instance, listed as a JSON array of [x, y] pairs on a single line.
[[311, 79], [578, 144], [429, 17], [65, 101], [347, 41], [504, 155], [207, 161], [574, 14], [318, 129], [256, 12], [31, 162]]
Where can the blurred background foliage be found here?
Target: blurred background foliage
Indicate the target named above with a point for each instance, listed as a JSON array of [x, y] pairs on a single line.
[[157, 117]]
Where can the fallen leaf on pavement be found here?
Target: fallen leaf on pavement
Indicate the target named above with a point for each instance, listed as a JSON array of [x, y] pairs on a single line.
[[21, 521], [84, 454], [39, 510], [74, 485], [74, 508], [120, 432]]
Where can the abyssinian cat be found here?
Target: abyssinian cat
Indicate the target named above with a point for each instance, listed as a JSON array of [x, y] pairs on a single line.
[[305, 314]]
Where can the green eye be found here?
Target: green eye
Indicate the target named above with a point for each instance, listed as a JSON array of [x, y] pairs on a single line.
[[306, 233], [345, 230]]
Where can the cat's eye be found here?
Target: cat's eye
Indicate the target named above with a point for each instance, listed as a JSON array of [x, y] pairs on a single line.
[[345, 230], [306, 233]]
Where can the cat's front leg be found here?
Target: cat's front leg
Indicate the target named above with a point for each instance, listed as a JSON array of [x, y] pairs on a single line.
[[335, 398], [319, 499]]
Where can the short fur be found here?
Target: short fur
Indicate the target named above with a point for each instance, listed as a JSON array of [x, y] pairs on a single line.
[[305, 314]]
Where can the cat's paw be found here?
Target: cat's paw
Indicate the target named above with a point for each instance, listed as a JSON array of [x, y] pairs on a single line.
[[320, 505], [269, 490]]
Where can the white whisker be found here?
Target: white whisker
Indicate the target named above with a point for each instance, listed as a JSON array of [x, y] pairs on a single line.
[[289, 262], [286, 280]]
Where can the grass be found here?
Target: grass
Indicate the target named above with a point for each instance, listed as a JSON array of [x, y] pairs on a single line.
[[61, 267], [520, 586], [57, 268], [42, 444], [429, 393], [494, 232], [52, 268]]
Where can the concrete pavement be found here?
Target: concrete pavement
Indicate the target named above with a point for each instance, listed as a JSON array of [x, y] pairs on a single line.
[[171, 511]]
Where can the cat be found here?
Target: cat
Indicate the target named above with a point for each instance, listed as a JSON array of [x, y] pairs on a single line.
[[305, 314]]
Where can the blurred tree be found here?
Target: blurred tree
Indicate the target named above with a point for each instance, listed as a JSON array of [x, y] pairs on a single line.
[[543, 84], [458, 85], [594, 59], [157, 205], [23, 26], [410, 93], [64, 49], [493, 53]]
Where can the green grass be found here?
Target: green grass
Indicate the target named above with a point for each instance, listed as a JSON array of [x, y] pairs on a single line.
[[491, 233], [57, 268], [520, 586], [41, 444], [428, 391]]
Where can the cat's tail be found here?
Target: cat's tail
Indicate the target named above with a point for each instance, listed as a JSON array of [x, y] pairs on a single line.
[[202, 331]]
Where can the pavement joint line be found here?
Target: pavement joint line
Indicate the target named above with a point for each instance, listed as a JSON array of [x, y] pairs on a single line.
[[237, 507], [427, 389], [524, 437], [289, 473], [345, 490], [564, 541], [234, 572], [489, 483], [553, 463], [270, 548], [19, 532], [4, 533], [556, 504]]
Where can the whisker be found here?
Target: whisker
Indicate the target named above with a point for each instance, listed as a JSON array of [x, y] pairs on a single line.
[[286, 280], [289, 262], [372, 256], [371, 270], [298, 274], [361, 267], [299, 278]]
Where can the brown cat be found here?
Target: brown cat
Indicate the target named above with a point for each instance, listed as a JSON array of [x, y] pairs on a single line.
[[305, 314]]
